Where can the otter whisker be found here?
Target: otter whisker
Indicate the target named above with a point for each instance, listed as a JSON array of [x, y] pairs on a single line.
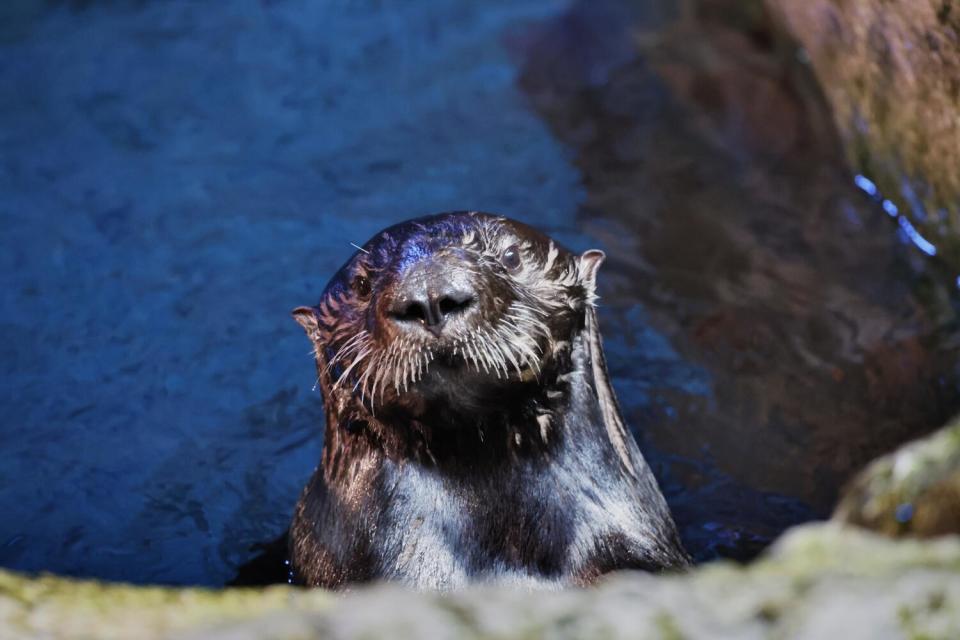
[[506, 353], [365, 377], [475, 346], [407, 372], [344, 350], [507, 341], [532, 327], [386, 370], [363, 354], [379, 376], [495, 353], [372, 374], [473, 358], [496, 356], [481, 352], [402, 361], [530, 308], [347, 350], [398, 373], [351, 355], [423, 363], [530, 357], [395, 365], [380, 381], [506, 321], [355, 360], [414, 364], [523, 343], [517, 313], [354, 390], [486, 352]]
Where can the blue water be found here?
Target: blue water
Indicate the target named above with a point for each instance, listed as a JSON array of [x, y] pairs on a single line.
[[176, 177]]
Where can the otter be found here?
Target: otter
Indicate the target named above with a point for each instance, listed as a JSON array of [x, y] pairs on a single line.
[[472, 434]]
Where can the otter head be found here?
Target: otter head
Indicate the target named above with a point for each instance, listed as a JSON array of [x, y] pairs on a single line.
[[446, 316]]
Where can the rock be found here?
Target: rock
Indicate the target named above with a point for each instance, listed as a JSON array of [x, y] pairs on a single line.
[[818, 581], [54, 607], [913, 491], [890, 70]]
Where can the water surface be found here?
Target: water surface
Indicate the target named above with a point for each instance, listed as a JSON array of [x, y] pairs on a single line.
[[175, 177]]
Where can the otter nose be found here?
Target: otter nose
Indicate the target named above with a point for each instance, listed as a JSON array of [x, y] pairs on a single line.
[[433, 309], [430, 297]]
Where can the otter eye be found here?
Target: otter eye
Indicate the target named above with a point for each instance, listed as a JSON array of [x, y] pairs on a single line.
[[361, 285], [511, 258]]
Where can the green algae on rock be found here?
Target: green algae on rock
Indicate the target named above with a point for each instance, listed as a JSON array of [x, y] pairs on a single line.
[[818, 581], [912, 491], [53, 607]]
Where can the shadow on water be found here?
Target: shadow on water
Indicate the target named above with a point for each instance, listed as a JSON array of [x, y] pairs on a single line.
[[175, 177]]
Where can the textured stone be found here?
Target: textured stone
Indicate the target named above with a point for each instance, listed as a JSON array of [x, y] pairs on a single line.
[[913, 491], [890, 70], [818, 581]]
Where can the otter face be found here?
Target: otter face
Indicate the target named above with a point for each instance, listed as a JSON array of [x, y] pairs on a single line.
[[455, 307]]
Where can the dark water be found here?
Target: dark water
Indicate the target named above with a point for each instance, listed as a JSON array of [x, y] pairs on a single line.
[[175, 177]]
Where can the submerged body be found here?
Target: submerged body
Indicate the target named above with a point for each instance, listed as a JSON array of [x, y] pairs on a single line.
[[472, 433]]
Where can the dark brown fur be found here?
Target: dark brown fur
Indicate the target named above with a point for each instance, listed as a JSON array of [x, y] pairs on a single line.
[[472, 434]]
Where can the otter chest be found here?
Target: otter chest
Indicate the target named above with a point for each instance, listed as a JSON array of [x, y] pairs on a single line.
[[533, 531]]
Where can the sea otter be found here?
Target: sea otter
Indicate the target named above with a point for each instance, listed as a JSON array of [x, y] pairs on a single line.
[[472, 434]]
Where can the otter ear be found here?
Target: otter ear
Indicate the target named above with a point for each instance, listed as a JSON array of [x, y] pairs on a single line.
[[590, 262], [306, 317]]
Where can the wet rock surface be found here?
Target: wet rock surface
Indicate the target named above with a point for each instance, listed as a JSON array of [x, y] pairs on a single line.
[[819, 581], [914, 491], [891, 72]]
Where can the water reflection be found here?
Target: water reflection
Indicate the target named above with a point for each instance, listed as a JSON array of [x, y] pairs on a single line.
[[909, 231]]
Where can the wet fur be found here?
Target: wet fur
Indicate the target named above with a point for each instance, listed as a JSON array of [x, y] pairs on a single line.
[[509, 463]]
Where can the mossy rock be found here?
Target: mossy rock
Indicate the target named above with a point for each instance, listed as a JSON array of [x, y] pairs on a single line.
[[818, 581], [52, 607], [913, 491]]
